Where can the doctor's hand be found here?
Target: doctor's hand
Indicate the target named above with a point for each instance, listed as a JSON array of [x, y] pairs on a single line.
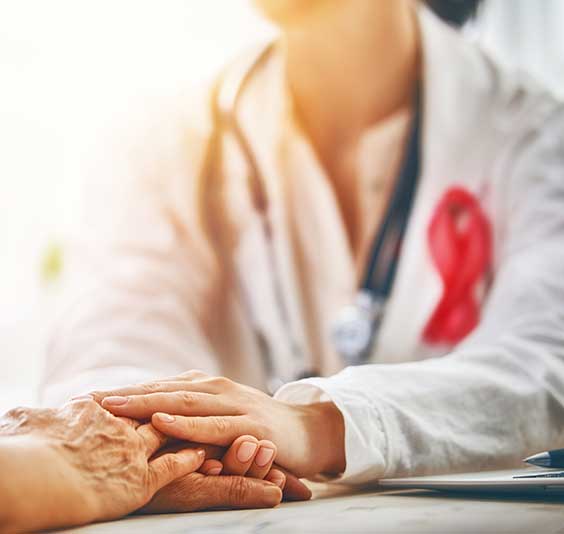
[[214, 410]]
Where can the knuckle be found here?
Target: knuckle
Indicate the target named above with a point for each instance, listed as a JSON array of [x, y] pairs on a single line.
[[172, 463], [86, 404], [90, 413], [23, 419], [223, 382], [98, 395], [188, 398], [16, 419], [188, 426], [152, 387], [193, 373], [181, 491], [90, 410], [238, 490], [19, 413], [141, 401], [258, 428], [221, 424]]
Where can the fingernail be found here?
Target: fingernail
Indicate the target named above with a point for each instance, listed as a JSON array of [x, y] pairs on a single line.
[[214, 471], [115, 401], [200, 452], [272, 494], [166, 418], [278, 479], [246, 451], [264, 456]]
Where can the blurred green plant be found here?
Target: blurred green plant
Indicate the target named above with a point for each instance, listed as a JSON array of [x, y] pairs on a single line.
[[51, 267]]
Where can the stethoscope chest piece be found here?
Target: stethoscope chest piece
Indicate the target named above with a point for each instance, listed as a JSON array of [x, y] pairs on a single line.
[[356, 326]]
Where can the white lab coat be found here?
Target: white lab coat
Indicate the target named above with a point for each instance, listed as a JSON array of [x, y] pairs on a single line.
[[487, 402]]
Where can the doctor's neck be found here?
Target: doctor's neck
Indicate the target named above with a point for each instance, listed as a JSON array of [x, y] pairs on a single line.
[[351, 64]]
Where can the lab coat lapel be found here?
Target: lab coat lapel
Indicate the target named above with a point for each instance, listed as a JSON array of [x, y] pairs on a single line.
[[320, 237], [261, 116], [450, 109]]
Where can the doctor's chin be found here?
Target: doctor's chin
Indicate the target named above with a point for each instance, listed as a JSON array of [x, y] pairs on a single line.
[[297, 264]]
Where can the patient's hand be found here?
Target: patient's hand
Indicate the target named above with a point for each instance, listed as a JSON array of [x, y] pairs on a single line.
[[225, 485], [80, 464], [204, 409]]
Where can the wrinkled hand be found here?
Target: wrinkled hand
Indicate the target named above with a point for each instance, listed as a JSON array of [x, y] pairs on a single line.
[[99, 466], [215, 410], [246, 457]]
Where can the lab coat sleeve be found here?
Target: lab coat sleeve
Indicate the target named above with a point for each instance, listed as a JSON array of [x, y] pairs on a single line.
[[499, 395], [137, 268]]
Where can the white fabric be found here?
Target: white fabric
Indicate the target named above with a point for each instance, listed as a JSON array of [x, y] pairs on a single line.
[[155, 309], [500, 394], [526, 35]]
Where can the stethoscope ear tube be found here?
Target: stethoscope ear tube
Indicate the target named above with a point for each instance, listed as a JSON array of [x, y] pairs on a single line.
[[224, 104], [357, 325], [225, 96]]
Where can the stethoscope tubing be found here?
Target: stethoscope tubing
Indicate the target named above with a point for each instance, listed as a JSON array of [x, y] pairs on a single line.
[[381, 267]]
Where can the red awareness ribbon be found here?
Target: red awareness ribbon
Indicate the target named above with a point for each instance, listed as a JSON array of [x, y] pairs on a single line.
[[460, 244]]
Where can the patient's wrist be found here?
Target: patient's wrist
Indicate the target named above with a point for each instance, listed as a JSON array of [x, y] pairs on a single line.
[[18, 460], [31, 474], [7, 516]]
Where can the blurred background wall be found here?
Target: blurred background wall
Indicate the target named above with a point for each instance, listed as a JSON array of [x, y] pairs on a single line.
[[66, 64]]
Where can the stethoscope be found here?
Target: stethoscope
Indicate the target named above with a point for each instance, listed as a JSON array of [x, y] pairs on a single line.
[[357, 325]]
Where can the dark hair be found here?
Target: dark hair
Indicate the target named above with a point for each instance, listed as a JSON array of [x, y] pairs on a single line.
[[455, 12]]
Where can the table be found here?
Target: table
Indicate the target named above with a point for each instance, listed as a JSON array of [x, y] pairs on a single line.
[[341, 510]]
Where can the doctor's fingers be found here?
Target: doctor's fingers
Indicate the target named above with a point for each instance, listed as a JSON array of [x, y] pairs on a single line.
[[193, 374], [178, 403], [214, 430], [206, 384]]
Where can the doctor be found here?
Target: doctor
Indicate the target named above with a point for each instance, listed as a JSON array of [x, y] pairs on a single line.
[[373, 189]]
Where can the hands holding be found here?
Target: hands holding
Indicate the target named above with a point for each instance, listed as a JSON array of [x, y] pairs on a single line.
[[243, 478], [80, 464], [214, 410], [83, 463]]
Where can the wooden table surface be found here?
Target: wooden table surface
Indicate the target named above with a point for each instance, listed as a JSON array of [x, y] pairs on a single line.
[[340, 510]]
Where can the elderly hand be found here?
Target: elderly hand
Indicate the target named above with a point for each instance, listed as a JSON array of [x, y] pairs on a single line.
[[80, 464], [196, 407], [246, 457]]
